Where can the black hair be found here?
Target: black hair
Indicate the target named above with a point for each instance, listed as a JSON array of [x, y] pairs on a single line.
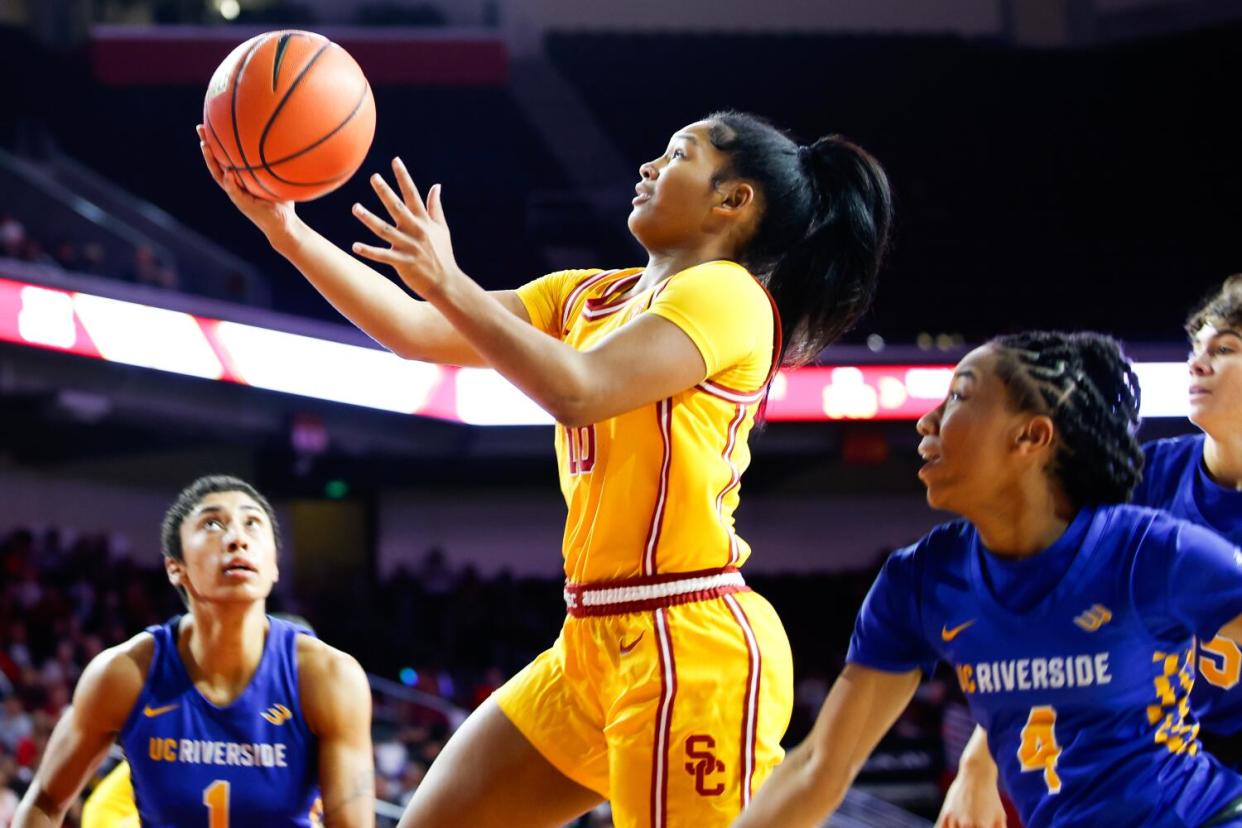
[[189, 498], [827, 211], [1086, 385], [1222, 307]]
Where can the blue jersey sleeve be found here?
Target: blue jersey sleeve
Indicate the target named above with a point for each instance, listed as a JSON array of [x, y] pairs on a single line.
[[1187, 579], [888, 634]]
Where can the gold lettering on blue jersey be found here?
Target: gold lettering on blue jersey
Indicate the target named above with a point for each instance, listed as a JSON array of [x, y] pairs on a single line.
[[277, 714], [1094, 618]]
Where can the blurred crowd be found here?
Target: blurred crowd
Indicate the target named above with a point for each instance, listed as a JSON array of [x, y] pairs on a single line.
[[145, 267]]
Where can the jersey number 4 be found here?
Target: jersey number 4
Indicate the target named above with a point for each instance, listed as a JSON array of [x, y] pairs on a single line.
[[1039, 750], [216, 798]]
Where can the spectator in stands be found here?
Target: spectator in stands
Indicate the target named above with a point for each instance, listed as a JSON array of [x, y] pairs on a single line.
[[15, 723], [12, 236]]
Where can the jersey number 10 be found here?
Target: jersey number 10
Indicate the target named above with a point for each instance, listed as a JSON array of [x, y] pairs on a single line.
[[580, 448]]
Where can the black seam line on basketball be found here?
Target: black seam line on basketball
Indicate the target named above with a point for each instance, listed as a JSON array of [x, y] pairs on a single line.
[[269, 164], [284, 99], [281, 45], [241, 68], [211, 128]]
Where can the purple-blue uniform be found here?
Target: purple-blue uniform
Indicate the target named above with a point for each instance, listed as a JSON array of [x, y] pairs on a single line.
[[1175, 480], [252, 763], [1078, 661]]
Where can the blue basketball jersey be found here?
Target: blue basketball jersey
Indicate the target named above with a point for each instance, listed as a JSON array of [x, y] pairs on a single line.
[[252, 763], [1084, 690], [1175, 480]]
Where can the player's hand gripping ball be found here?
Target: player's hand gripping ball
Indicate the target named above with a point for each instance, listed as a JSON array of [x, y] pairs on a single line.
[[290, 115]]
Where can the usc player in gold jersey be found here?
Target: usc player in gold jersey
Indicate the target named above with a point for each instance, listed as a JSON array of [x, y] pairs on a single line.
[[670, 685]]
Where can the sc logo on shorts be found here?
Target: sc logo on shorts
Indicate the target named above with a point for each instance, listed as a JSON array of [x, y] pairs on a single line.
[[699, 748]]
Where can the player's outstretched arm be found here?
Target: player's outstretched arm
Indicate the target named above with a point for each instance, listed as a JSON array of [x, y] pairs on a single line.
[[814, 777], [647, 360], [409, 328], [336, 701], [102, 701], [973, 800]]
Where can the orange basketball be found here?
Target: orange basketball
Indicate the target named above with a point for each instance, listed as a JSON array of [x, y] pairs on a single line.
[[291, 114]]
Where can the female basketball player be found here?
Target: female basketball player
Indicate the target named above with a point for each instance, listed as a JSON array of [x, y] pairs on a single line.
[[1069, 618], [1194, 477], [227, 716], [669, 687]]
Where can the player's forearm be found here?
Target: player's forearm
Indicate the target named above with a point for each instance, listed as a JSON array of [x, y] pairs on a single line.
[[976, 760], [550, 372], [35, 811], [801, 792], [409, 328]]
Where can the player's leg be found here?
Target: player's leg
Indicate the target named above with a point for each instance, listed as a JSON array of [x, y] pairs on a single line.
[[532, 755], [702, 703], [490, 776]]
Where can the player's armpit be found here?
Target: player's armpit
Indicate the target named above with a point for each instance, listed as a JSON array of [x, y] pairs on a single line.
[[814, 777], [102, 701], [336, 701]]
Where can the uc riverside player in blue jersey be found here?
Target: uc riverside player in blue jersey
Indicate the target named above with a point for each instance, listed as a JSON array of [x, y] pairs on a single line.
[[1194, 477], [228, 717], [1069, 619]]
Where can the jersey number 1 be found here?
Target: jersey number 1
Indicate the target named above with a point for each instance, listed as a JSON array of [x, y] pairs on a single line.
[[1039, 750], [216, 798]]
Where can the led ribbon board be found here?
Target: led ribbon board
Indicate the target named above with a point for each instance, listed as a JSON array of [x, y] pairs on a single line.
[[181, 343]]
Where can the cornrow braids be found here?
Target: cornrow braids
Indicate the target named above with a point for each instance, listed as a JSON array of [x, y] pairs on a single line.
[[1086, 385]]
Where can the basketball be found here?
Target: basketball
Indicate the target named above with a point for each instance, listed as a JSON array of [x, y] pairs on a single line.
[[291, 114]]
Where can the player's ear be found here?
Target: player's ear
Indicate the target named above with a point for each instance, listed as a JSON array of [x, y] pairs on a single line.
[[735, 196], [1035, 435], [175, 570]]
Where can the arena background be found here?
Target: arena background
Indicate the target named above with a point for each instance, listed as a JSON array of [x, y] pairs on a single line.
[[1057, 163]]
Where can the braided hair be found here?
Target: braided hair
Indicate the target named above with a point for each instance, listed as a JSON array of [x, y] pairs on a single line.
[[1085, 384]]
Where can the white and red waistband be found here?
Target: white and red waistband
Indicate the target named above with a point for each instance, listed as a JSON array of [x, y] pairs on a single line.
[[651, 592]]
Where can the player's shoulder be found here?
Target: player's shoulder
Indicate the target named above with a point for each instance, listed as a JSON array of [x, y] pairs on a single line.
[[318, 661], [721, 275], [942, 549], [113, 680], [332, 685], [1160, 455]]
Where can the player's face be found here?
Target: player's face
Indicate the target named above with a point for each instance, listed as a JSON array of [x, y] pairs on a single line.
[[967, 439], [228, 550], [676, 193], [1216, 380]]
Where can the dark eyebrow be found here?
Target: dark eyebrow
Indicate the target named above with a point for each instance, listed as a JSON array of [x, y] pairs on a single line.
[[965, 373], [212, 508]]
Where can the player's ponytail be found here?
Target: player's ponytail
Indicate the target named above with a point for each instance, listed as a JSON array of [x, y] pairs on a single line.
[[827, 211], [1085, 384]]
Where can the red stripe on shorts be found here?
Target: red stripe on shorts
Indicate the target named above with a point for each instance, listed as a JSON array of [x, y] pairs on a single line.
[[664, 722], [750, 705]]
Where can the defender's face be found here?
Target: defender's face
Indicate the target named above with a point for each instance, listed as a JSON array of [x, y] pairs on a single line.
[[228, 550], [1216, 380], [967, 438]]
